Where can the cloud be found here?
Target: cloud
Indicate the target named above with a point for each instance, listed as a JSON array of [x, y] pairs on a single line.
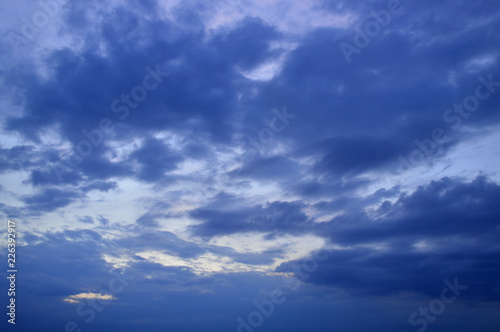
[[87, 296], [353, 156], [443, 208], [155, 158], [49, 200], [100, 186], [442, 230], [168, 196], [15, 158], [86, 219], [165, 241], [273, 168], [273, 218]]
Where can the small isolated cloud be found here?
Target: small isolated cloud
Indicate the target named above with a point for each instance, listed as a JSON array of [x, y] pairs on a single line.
[[86, 219], [88, 296]]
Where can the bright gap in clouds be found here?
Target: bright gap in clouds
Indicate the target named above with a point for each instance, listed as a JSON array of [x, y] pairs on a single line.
[[206, 264]]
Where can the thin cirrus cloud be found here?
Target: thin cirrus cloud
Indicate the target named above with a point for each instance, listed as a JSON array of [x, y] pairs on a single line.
[[185, 188]]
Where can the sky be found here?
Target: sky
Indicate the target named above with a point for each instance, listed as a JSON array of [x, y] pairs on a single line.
[[267, 165]]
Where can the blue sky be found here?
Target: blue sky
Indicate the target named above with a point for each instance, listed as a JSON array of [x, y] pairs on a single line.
[[189, 165]]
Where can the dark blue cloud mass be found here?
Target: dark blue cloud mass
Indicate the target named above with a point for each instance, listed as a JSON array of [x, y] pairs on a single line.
[[446, 229], [251, 165]]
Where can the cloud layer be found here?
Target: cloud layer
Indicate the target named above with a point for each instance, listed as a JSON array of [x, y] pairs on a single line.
[[198, 153]]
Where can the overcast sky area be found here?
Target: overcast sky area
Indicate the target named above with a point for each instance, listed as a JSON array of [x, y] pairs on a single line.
[[238, 165]]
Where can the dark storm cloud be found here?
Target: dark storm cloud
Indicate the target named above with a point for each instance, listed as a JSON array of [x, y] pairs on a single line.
[[394, 93], [162, 241], [274, 218], [223, 201], [47, 176], [446, 229], [444, 208], [9, 211], [155, 158], [84, 85], [98, 166], [273, 168], [364, 115], [367, 272], [342, 198], [328, 185], [248, 45], [198, 96], [26, 158], [352, 156], [49, 200], [16, 158], [100, 186]]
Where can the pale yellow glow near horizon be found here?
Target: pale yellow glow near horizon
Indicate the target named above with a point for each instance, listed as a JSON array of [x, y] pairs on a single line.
[[294, 247], [205, 264]]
